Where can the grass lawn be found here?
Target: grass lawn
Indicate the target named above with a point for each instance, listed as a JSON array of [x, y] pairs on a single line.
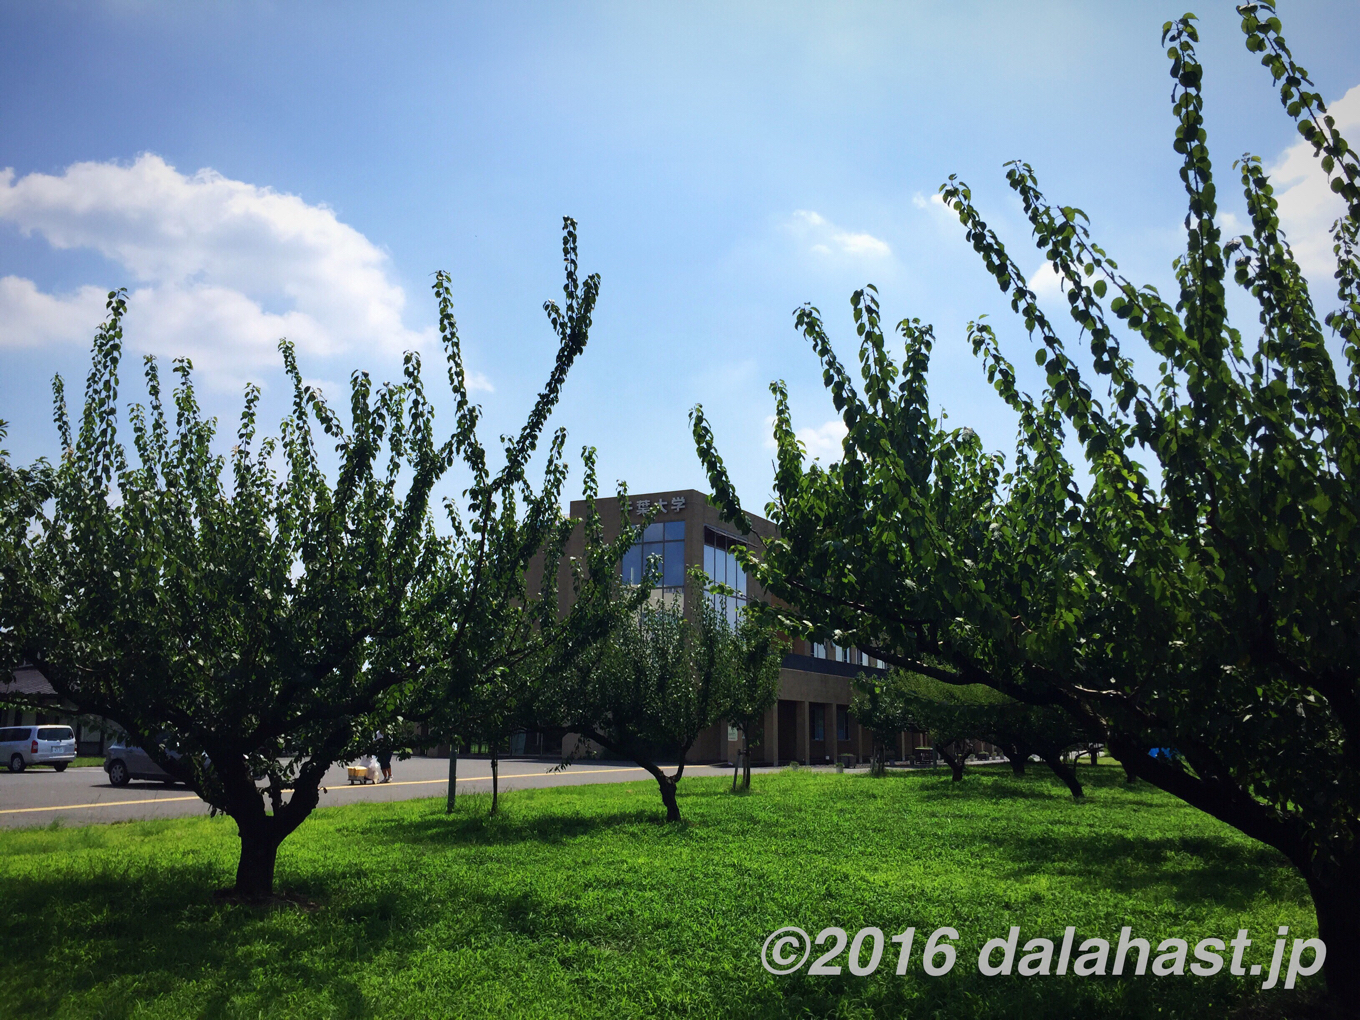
[[79, 763], [577, 902]]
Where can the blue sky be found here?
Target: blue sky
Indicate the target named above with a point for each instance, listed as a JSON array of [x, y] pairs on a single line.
[[251, 170]]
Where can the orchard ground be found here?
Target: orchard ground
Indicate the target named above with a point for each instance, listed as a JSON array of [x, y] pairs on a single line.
[[580, 902]]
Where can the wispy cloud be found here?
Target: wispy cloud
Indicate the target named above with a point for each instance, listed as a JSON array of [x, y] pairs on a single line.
[[219, 269], [1045, 281], [825, 238], [822, 442], [1308, 206]]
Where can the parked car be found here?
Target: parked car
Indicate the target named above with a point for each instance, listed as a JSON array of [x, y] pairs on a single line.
[[22, 746], [124, 762]]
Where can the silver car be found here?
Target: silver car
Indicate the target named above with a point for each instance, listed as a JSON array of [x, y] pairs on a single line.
[[22, 746], [124, 762]]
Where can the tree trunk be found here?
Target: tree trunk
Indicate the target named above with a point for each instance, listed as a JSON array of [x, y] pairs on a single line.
[[453, 777], [1018, 757], [1335, 888], [668, 785], [746, 765], [255, 870], [736, 770], [1130, 777], [1095, 755], [495, 779], [878, 767], [1064, 771], [630, 751], [1336, 898], [261, 831], [954, 761]]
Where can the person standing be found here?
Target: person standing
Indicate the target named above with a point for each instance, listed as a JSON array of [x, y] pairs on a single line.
[[383, 751]]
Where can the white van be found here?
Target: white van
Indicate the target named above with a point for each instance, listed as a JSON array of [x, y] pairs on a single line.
[[22, 746]]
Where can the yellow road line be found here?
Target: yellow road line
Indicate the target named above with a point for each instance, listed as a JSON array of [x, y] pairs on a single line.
[[336, 789], [477, 779], [102, 803]]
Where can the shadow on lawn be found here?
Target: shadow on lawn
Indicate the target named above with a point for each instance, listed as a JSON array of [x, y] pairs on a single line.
[[1190, 868], [472, 829], [107, 944], [1232, 872], [144, 938]]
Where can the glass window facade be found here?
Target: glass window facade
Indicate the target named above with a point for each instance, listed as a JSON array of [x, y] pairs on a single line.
[[721, 566], [835, 652], [666, 542], [817, 721], [852, 656], [842, 722]]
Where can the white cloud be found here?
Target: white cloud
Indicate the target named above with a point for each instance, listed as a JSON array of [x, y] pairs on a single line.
[[1308, 206], [922, 202], [1045, 281], [825, 238], [30, 318], [218, 269], [862, 244], [477, 381], [822, 442]]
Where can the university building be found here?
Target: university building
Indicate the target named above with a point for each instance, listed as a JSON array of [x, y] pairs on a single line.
[[811, 722]]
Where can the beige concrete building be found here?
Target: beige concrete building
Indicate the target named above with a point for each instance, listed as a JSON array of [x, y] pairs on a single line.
[[811, 723]]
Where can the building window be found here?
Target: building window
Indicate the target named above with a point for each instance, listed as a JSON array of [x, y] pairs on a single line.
[[721, 566], [853, 656], [835, 652], [666, 542], [817, 719], [842, 722]]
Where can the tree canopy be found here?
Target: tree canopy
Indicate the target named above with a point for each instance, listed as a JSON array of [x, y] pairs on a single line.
[[494, 623], [648, 692], [269, 617], [1210, 603], [259, 615]]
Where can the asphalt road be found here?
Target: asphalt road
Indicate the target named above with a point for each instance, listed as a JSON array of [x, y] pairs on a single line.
[[84, 796]]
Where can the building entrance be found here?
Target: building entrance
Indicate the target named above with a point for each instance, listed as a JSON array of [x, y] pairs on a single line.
[[788, 730], [818, 747]]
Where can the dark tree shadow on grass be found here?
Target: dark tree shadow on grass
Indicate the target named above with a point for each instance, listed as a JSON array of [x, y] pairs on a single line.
[[122, 938], [1191, 868], [1228, 870], [438, 829], [130, 938]]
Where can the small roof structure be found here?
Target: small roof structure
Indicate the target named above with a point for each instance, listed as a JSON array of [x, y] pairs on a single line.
[[27, 684]]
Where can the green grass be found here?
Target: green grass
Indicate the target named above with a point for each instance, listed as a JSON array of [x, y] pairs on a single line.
[[577, 902], [77, 764]]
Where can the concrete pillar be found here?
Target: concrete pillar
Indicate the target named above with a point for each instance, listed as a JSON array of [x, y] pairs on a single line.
[[833, 730], [804, 753], [772, 733]]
